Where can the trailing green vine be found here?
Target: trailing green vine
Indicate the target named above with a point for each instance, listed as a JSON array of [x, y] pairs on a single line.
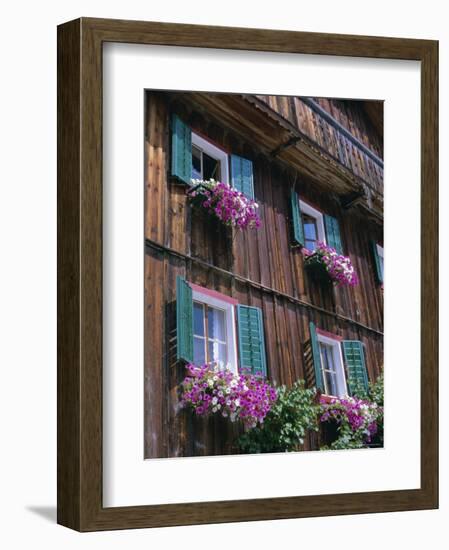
[[294, 413]]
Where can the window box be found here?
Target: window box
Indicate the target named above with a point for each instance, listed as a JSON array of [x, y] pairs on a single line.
[[316, 269], [328, 265], [230, 206]]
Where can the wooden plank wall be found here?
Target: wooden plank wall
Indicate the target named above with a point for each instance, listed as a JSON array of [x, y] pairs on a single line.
[[263, 256], [349, 114]]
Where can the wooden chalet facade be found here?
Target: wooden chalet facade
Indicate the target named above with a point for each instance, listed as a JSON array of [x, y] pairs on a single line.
[[315, 168]]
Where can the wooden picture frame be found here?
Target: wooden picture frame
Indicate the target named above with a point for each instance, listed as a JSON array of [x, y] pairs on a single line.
[[80, 503]]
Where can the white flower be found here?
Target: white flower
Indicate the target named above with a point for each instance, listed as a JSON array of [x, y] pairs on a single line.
[[214, 400], [210, 382], [237, 402], [214, 409], [228, 390], [215, 378]]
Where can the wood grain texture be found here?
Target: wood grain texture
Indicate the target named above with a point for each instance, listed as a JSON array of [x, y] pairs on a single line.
[[80, 273], [270, 271]]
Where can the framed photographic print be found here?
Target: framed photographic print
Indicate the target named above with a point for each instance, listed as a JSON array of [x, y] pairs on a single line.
[[247, 290]]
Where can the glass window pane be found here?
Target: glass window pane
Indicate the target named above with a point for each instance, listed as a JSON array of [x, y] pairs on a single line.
[[199, 356], [310, 230], [310, 245], [198, 319], [211, 167], [217, 353], [196, 162], [330, 380], [216, 324]]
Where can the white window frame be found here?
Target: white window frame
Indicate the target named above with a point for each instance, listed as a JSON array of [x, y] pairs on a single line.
[[339, 364], [317, 215], [380, 253], [229, 309], [214, 152]]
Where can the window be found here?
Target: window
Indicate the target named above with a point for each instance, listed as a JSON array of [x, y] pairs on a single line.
[[209, 335], [380, 255], [332, 366], [330, 355], [378, 258], [309, 226], [214, 339], [194, 157], [211, 327], [208, 161], [313, 226], [310, 231]]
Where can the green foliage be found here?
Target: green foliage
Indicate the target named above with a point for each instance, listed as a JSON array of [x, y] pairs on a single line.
[[347, 439], [351, 435], [376, 395], [376, 390], [285, 426]]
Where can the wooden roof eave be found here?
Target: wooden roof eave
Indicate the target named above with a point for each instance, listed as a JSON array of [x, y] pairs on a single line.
[[280, 142]]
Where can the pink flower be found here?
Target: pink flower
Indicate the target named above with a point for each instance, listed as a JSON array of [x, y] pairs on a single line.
[[226, 203], [338, 267], [239, 396]]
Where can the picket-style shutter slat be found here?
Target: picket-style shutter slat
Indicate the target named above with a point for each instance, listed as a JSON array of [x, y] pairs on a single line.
[[242, 175], [377, 264], [251, 340], [319, 382], [181, 151], [184, 320], [333, 236], [297, 227], [356, 368]]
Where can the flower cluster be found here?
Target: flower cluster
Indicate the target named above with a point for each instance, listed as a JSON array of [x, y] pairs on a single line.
[[338, 267], [208, 390], [230, 206], [357, 420]]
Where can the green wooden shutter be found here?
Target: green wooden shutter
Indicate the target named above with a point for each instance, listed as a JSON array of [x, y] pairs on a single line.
[[377, 264], [184, 320], [251, 340], [355, 367], [181, 150], [297, 227], [242, 175], [319, 382], [333, 236]]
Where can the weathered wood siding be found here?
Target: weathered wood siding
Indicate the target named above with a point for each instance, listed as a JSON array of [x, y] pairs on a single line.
[[269, 273]]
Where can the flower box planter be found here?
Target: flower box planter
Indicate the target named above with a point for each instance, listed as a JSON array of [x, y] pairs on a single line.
[[224, 203], [330, 267], [317, 270]]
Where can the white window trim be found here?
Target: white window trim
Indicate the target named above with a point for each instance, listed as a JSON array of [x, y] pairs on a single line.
[[380, 252], [214, 152], [230, 324], [314, 213], [338, 359]]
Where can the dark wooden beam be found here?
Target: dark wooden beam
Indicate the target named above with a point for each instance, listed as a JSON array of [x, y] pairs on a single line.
[[167, 250]]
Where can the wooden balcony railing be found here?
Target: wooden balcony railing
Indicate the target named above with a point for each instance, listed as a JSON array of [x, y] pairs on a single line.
[[353, 144]]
